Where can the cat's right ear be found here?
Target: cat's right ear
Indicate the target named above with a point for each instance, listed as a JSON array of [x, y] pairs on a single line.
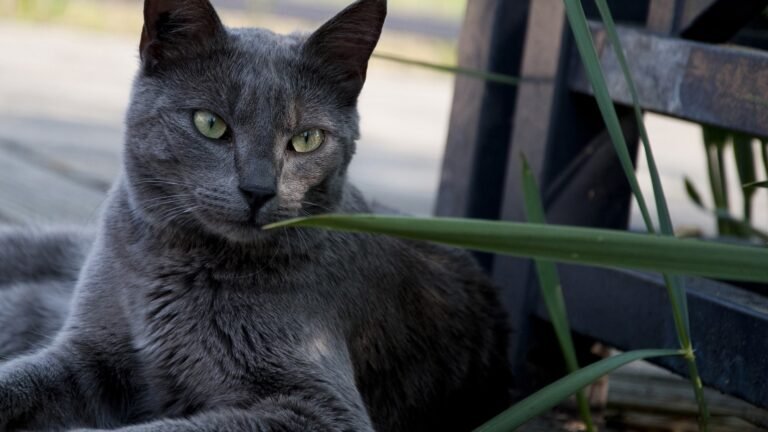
[[175, 29], [343, 45]]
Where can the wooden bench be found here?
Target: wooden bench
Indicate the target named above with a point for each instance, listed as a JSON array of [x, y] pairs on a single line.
[[552, 119]]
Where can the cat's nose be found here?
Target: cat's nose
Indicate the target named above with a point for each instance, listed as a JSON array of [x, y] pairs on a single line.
[[257, 196]]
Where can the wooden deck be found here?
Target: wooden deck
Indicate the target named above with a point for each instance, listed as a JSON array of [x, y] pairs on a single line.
[[642, 397], [53, 182]]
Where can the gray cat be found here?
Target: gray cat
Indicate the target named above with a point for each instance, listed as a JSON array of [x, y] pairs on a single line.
[[186, 316]]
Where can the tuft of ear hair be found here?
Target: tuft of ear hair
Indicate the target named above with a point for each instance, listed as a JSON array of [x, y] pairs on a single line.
[[343, 45], [172, 28]]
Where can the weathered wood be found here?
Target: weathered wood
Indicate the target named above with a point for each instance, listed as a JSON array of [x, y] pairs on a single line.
[[543, 47], [673, 422], [664, 15], [703, 83], [713, 21], [86, 153], [717, 21], [551, 129], [643, 387], [629, 310], [556, 129], [473, 165], [591, 190]]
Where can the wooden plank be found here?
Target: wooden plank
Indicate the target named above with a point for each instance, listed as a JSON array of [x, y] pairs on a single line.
[[30, 193], [87, 153], [626, 310], [692, 9], [651, 389], [664, 16], [473, 166], [717, 21], [712, 21], [530, 135], [581, 195], [635, 420], [722, 86], [552, 128]]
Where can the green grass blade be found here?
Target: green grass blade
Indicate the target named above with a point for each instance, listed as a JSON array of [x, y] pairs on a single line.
[[675, 286], [715, 141], [745, 228], [548, 397], [606, 248], [760, 184], [551, 290], [473, 73], [665, 221], [745, 166], [764, 155], [586, 47], [693, 193]]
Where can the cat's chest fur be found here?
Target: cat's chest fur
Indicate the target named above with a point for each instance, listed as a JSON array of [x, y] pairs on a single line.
[[222, 335]]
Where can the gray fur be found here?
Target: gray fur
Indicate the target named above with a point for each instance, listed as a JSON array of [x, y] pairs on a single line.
[[38, 270], [186, 316]]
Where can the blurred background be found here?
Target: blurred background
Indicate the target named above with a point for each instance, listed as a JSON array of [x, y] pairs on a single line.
[[66, 71]]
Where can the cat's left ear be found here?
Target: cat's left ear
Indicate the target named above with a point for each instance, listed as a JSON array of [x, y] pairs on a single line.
[[343, 45], [174, 29]]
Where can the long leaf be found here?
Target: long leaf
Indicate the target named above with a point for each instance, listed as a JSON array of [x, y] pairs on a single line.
[[693, 193], [675, 285], [746, 229], [551, 290], [722, 215], [760, 184], [473, 73], [715, 141], [583, 38], [548, 397], [590, 246], [665, 222], [745, 167], [764, 157]]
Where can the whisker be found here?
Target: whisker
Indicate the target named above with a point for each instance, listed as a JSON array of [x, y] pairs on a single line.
[[161, 182], [320, 206]]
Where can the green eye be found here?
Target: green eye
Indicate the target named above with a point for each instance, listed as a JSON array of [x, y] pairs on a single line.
[[210, 125], [308, 141]]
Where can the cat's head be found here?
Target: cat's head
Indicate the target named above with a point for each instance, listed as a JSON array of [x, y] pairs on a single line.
[[231, 129]]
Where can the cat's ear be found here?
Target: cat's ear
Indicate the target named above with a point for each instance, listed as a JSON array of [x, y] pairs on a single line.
[[175, 28], [343, 45]]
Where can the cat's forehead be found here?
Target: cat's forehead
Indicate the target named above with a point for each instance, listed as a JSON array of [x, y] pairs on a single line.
[[264, 44]]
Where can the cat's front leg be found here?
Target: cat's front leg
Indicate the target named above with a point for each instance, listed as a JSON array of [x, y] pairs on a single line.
[[316, 413], [33, 255], [54, 389], [37, 392]]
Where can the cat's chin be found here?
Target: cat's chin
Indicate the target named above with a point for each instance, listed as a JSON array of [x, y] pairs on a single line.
[[240, 232], [236, 230], [243, 232]]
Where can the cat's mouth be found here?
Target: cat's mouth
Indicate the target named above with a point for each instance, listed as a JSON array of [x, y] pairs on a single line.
[[244, 230]]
